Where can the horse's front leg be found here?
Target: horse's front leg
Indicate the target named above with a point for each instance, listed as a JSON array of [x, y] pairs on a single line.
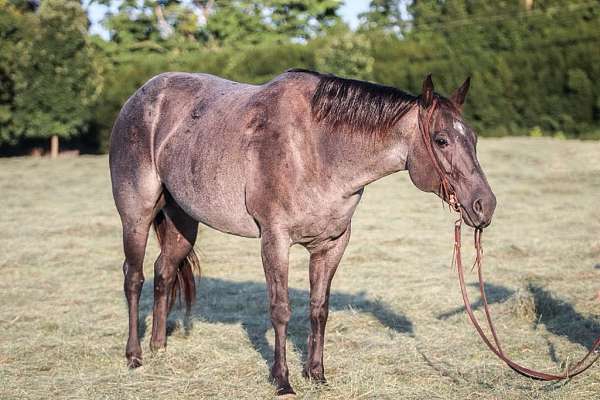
[[323, 264], [275, 257]]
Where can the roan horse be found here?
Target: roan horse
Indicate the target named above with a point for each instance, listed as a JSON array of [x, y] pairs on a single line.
[[286, 162]]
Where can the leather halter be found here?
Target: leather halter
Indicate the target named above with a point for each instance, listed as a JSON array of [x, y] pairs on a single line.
[[447, 192]]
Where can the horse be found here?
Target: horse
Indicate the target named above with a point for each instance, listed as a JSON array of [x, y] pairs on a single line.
[[285, 162]]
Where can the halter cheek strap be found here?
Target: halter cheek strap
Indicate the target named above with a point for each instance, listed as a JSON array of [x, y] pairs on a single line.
[[447, 192]]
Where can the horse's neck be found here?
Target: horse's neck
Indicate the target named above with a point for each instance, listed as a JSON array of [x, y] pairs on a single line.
[[354, 162]]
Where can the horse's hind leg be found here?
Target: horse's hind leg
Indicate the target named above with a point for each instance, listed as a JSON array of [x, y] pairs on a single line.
[[177, 233], [134, 243], [136, 204], [137, 192]]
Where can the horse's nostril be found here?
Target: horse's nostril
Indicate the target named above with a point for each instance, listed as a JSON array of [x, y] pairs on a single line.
[[478, 207]]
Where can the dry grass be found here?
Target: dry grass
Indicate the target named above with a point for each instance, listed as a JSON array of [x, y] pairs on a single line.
[[397, 328]]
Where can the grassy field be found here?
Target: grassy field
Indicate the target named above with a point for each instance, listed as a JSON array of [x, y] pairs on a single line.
[[397, 328]]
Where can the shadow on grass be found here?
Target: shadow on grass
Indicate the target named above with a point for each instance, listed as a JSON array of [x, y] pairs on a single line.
[[494, 293], [560, 318], [245, 303]]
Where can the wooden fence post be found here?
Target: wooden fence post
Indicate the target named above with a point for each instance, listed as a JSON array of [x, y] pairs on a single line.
[[54, 146]]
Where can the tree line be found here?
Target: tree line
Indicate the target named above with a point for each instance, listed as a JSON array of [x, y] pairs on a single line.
[[534, 63]]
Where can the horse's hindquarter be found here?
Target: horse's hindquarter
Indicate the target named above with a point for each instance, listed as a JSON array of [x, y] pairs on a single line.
[[200, 147]]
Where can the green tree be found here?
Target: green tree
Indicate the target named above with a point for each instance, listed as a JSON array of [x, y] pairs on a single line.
[[383, 15], [15, 26], [158, 25], [302, 19], [237, 22], [345, 53], [58, 82], [531, 61], [240, 22], [132, 22]]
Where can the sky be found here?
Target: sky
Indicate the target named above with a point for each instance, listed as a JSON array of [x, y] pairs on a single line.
[[350, 10], [349, 13]]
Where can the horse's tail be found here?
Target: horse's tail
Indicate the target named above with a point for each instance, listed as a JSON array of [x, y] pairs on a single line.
[[184, 281]]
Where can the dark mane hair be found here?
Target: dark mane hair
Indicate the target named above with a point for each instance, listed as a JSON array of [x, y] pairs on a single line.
[[358, 106]]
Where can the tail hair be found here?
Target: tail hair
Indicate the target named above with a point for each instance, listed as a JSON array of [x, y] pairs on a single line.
[[185, 280]]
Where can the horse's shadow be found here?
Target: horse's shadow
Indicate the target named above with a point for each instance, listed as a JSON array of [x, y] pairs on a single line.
[[230, 302], [557, 316], [494, 294]]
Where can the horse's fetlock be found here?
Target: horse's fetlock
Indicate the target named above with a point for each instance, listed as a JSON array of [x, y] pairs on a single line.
[[315, 372], [316, 369], [280, 372]]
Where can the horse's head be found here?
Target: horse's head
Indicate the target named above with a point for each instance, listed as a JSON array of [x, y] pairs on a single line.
[[454, 145]]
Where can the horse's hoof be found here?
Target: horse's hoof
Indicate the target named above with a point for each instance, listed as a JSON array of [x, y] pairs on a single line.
[[318, 378], [134, 362], [285, 392], [158, 347], [286, 396]]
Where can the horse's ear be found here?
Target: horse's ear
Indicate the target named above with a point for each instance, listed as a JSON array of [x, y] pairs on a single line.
[[460, 94], [427, 92]]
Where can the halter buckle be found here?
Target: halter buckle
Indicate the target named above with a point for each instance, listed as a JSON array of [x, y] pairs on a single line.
[[453, 202]]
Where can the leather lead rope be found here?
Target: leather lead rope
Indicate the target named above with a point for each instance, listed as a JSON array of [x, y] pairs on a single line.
[[446, 191]]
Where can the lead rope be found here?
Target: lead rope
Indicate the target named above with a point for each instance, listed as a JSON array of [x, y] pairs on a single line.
[[446, 191]]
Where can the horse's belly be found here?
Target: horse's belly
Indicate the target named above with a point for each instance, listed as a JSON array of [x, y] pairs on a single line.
[[209, 185], [225, 219], [219, 209]]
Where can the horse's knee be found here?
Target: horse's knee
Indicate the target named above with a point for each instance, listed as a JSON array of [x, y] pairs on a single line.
[[281, 313], [319, 309]]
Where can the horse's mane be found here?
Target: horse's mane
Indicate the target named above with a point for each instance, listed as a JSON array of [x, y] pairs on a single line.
[[357, 106]]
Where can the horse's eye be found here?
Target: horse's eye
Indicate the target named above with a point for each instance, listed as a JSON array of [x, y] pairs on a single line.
[[441, 142]]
